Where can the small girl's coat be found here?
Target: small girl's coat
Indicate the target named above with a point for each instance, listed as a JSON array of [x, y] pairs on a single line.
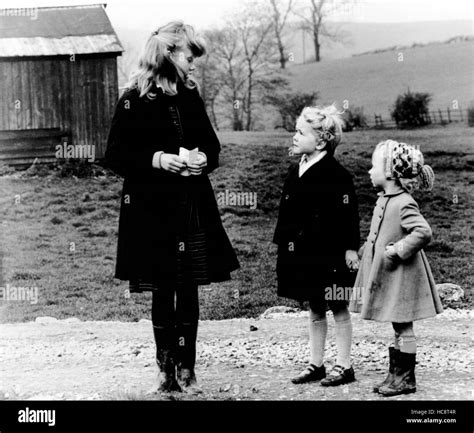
[[400, 289]]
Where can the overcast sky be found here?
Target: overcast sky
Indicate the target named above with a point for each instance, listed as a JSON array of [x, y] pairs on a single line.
[[205, 13]]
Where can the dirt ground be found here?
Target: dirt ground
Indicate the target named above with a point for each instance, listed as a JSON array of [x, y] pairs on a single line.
[[72, 360]]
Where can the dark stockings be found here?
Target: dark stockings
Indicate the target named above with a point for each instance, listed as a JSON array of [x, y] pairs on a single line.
[[175, 315]]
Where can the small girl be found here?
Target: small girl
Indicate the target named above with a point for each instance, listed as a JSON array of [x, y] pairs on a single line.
[[395, 277], [318, 235]]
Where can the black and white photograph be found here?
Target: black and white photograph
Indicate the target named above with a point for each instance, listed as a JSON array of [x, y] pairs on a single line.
[[236, 215]]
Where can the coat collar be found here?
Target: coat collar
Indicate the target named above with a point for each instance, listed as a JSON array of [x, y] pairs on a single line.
[[321, 164], [305, 163], [392, 194]]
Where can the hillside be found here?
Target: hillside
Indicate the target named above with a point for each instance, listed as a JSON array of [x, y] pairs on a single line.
[[363, 37], [374, 80]]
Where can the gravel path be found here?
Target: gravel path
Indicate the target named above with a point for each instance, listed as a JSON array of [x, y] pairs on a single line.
[[70, 359]]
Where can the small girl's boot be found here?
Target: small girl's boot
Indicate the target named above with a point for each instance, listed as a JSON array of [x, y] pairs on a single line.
[[404, 381], [392, 353]]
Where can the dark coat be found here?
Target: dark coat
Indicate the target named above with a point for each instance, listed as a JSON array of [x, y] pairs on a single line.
[[317, 222], [150, 220]]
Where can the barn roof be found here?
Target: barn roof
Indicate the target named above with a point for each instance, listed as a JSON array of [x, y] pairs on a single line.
[[63, 30]]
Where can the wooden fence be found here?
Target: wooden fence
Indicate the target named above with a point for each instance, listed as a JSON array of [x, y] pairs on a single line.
[[435, 116]]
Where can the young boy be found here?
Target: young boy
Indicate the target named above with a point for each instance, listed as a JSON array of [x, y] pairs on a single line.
[[318, 237]]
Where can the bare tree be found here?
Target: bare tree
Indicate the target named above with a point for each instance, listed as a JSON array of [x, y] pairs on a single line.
[[127, 62], [228, 54], [253, 27], [279, 23], [243, 60], [212, 74], [314, 22]]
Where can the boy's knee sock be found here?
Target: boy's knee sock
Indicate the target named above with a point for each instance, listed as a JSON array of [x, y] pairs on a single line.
[[343, 330], [318, 329]]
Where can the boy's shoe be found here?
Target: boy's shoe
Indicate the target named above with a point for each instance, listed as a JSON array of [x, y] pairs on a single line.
[[339, 376], [310, 374]]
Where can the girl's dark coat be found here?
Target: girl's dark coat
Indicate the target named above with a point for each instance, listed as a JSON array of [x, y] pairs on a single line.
[[150, 220], [318, 221]]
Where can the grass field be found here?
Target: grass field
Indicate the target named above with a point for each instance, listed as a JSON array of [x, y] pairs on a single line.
[[60, 233]]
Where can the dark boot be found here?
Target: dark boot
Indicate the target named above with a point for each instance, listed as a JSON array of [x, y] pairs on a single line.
[[165, 359], [404, 381], [167, 374], [392, 352], [186, 357]]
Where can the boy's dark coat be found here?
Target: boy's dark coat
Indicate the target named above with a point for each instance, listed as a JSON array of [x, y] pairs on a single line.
[[318, 221], [149, 216]]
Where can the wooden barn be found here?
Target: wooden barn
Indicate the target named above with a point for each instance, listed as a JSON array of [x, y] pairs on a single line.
[[58, 82]]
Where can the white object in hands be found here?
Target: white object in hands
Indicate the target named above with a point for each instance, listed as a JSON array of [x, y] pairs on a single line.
[[189, 156]]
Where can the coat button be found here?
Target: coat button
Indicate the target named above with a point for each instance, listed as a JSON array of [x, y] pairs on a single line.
[[287, 197]]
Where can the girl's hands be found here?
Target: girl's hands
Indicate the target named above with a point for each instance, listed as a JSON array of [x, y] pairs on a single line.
[[352, 260], [195, 167], [172, 163]]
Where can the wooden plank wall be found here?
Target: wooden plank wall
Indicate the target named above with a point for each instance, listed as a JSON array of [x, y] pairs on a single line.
[[78, 97]]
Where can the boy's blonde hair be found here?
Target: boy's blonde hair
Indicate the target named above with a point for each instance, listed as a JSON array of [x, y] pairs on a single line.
[[327, 122], [156, 65]]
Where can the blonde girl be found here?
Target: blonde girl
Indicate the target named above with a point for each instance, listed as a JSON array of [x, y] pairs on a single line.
[[171, 238]]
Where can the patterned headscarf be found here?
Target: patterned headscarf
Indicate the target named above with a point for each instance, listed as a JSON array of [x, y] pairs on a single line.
[[406, 164]]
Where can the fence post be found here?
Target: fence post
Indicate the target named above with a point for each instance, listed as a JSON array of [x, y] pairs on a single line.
[[381, 121], [449, 116], [440, 116], [376, 122], [433, 113]]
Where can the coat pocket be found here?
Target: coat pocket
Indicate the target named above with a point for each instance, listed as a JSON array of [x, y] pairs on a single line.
[[390, 263]]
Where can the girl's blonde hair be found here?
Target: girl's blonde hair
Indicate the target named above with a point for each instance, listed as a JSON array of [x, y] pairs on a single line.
[[327, 121], [156, 66], [405, 164]]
